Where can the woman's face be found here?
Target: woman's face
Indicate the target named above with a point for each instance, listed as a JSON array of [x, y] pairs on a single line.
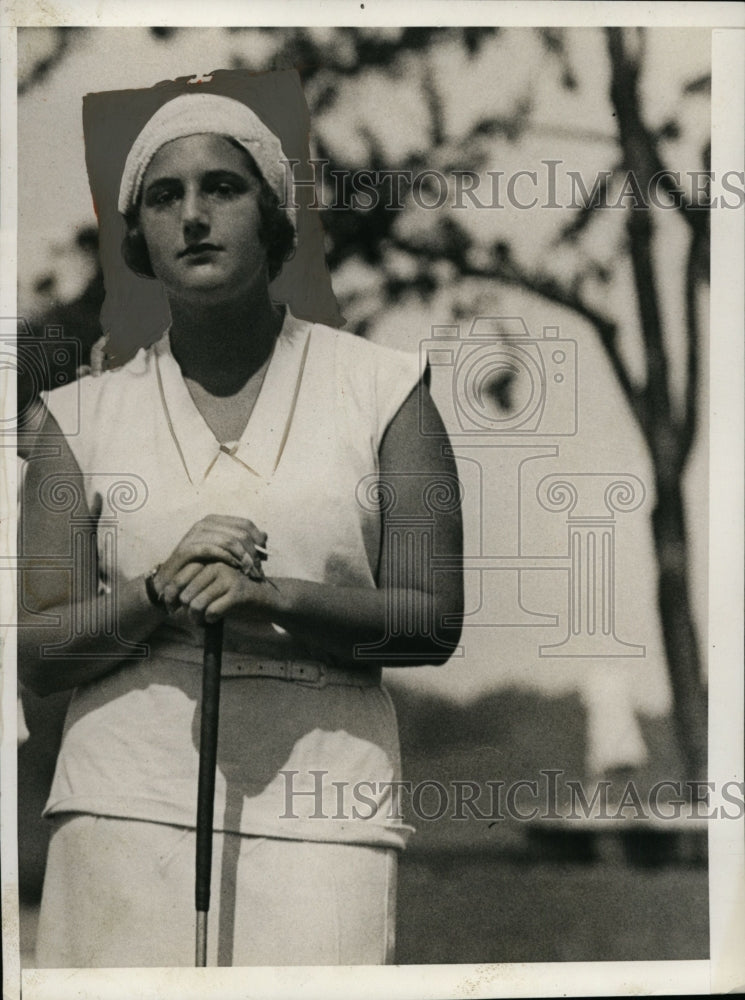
[[200, 219]]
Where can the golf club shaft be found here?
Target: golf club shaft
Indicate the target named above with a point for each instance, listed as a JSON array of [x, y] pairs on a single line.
[[206, 789], [200, 957]]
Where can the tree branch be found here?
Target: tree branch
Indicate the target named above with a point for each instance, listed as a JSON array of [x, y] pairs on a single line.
[[43, 67], [635, 136], [435, 107], [507, 271], [607, 330], [689, 422], [637, 146]]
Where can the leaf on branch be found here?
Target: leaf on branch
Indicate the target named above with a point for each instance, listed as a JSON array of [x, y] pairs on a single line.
[[362, 326], [501, 390], [553, 40], [668, 130], [299, 51], [474, 38], [601, 272], [699, 85], [45, 285], [468, 158], [435, 107], [424, 283], [568, 79], [511, 126], [40, 70], [598, 198], [395, 287], [376, 157], [453, 241], [501, 252], [324, 99]]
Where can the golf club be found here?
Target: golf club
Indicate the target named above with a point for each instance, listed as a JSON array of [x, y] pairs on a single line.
[[206, 787]]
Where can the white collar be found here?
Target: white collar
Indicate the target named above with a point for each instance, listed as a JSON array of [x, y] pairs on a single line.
[[261, 445]]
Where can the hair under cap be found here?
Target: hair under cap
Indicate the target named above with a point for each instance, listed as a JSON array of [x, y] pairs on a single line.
[[193, 114]]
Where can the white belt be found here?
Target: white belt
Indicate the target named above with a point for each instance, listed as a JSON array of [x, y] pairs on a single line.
[[310, 673]]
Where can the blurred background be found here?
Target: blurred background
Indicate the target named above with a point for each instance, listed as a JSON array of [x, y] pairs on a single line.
[[623, 287]]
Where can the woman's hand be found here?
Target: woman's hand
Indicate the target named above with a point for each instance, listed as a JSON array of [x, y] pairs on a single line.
[[213, 591], [216, 539]]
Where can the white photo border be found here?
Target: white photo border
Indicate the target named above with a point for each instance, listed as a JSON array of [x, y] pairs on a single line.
[[725, 970]]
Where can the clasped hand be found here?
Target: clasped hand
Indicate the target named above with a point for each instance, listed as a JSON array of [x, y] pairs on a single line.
[[216, 567]]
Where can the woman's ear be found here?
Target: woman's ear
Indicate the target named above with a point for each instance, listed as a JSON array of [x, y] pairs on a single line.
[[135, 252]]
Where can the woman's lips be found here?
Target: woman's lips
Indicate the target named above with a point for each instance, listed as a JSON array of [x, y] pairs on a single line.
[[197, 249]]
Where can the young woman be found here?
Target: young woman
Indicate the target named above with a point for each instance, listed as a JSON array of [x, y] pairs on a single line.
[[271, 472]]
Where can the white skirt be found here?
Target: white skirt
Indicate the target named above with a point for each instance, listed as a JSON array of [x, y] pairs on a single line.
[[120, 893]]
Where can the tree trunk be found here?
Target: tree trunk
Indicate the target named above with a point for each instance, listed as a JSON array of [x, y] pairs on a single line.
[[678, 628]]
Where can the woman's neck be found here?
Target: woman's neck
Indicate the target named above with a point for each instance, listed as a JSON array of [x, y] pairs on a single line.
[[221, 346]]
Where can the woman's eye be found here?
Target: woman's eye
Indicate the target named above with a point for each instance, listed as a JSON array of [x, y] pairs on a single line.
[[160, 198], [224, 187]]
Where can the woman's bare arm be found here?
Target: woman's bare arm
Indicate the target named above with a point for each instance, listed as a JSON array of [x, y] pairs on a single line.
[[45, 538]]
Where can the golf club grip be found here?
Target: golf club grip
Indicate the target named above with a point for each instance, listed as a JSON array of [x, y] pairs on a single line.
[[207, 761]]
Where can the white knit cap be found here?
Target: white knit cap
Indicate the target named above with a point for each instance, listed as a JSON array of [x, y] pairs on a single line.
[[195, 114]]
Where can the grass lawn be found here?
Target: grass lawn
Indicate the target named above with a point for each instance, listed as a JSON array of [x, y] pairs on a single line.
[[460, 910], [473, 910]]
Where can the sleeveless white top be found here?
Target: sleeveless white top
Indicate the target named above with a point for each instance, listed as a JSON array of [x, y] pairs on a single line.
[[301, 471]]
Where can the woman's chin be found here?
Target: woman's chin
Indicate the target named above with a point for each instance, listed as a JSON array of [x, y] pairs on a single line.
[[208, 289], [209, 281]]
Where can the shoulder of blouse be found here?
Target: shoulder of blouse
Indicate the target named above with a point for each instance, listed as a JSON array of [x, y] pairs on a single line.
[[94, 397], [360, 350]]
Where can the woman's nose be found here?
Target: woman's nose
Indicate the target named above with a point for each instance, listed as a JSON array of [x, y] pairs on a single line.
[[194, 214]]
